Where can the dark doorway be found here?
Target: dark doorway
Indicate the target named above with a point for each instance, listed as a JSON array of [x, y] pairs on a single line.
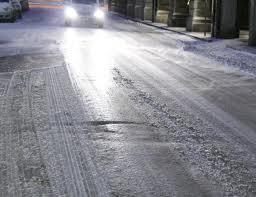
[[243, 14], [243, 19], [155, 6]]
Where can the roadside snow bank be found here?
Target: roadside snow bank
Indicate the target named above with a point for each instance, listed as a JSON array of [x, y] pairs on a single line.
[[229, 52]]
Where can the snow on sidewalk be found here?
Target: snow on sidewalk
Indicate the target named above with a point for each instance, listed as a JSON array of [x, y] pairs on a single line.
[[233, 52], [228, 52]]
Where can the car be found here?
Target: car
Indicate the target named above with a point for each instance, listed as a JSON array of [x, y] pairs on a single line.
[[84, 10], [7, 13], [17, 7], [24, 5]]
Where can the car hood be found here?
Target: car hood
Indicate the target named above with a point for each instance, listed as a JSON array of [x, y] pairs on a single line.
[[3, 6], [84, 8]]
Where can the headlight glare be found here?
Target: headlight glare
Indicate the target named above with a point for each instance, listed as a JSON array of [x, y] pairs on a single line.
[[71, 13], [99, 14]]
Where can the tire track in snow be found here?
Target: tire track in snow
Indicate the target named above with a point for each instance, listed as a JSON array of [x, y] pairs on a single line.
[[77, 168], [77, 115], [41, 148], [22, 152], [3, 134], [70, 167], [45, 133]]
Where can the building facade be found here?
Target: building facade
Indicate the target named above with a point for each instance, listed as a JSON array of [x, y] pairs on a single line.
[[223, 18]]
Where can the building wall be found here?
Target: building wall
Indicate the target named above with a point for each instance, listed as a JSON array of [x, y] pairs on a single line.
[[199, 18], [119, 6], [223, 17]]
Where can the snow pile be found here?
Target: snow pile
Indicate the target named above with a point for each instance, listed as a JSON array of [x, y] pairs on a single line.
[[228, 52]]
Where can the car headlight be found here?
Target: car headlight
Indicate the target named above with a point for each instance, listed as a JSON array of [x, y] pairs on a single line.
[[99, 14], [71, 13]]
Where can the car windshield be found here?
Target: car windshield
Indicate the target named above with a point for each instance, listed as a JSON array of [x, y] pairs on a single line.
[[4, 1], [84, 1]]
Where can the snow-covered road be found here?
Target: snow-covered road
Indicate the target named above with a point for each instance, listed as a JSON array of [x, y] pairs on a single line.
[[127, 110]]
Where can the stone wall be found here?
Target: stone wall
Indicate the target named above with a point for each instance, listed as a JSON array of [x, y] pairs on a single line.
[[199, 18], [224, 19], [162, 11]]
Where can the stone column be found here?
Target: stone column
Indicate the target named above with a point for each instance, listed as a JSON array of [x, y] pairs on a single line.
[[139, 9], [199, 19], [162, 11], [120, 6], [252, 28], [226, 25], [180, 13], [148, 10], [113, 5], [110, 5], [130, 8], [171, 8]]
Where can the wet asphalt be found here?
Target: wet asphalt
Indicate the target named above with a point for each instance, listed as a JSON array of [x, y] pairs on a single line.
[[119, 111]]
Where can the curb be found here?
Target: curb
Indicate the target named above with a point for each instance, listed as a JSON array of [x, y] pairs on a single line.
[[162, 28]]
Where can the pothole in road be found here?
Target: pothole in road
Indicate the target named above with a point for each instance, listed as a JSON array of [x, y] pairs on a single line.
[[107, 122], [106, 130]]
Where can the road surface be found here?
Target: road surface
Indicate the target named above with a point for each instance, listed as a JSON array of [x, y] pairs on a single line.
[[120, 111]]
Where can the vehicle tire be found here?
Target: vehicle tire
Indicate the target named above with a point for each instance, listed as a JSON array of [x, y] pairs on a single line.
[[13, 19], [27, 7], [68, 23], [100, 25], [20, 15]]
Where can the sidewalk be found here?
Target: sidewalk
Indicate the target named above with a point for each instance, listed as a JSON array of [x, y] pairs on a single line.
[[239, 44], [179, 30], [230, 52], [244, 35]]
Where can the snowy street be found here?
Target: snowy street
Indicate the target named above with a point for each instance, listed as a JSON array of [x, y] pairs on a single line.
[[127, 110]]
